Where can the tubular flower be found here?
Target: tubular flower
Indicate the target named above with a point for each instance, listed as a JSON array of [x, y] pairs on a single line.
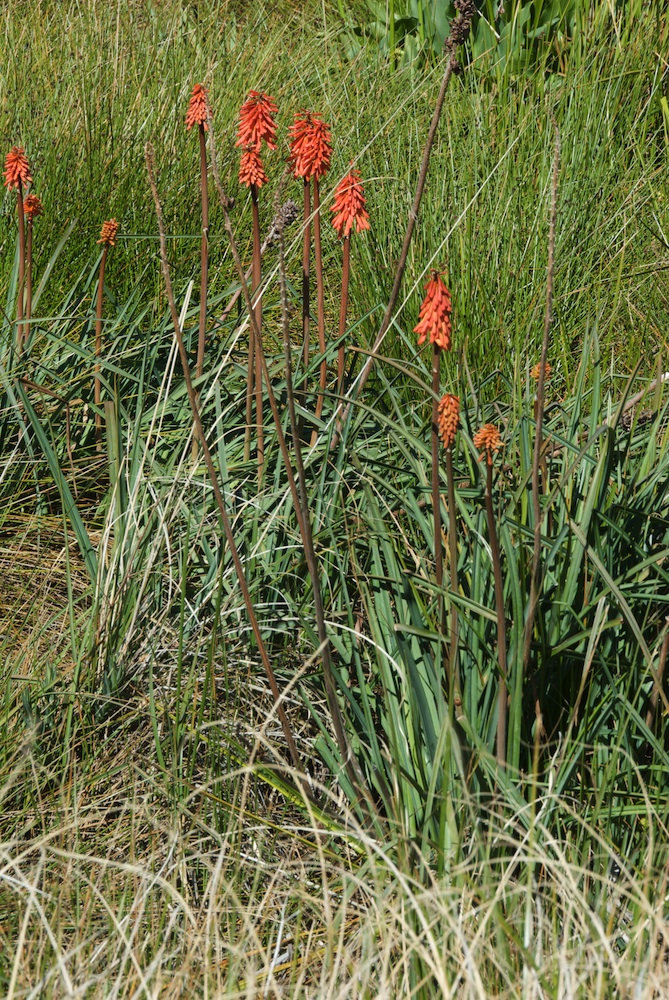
[[256, 122], [17, 168], [32, 206], [488, 440], [449, 418], [251, 170], [349, 205], [537, 369], [310, 145], [197, 108], [108, 233], [435, 314]]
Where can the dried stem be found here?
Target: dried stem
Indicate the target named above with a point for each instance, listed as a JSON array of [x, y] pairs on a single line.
[[22, 261], [97, 388], [306, 252], [345, 274], [300, 501], [320, 295], [204, 254], [239, 569], [501, 622], [257, 312], [535, 582]]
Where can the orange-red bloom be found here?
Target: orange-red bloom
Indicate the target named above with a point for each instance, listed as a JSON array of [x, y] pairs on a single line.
[[108, 233], [449, 418], [197, 107], [256, 122], [488, 440], [349, 205], [17, 168], [251, 169], [310, 145], [537, 368], [434, 317], [32, 206]]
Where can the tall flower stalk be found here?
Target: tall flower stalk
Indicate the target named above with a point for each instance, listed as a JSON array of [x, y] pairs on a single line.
[[107, 239], [449, 421], [349, 208], [17, 176], [197, 115], [32, 207], [310, 155], [488, 441], [256, 125]]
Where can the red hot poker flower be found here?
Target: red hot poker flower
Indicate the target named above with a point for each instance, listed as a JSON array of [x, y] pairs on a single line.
[[349, 205], [32, 206], [108, 232], [310, 146], [435, 314], [17, 168], [449, 418], [251, 170], [488, 440], [256, 122], [197, 107]]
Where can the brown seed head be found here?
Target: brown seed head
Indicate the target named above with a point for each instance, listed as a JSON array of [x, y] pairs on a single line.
[[197, 108], [251, 170], [256, 122], [349, 205], [108, 233], [537, 369], [310, 145], [17, 168], [32, 206], [435, 314], [488, 440], [449, 418]]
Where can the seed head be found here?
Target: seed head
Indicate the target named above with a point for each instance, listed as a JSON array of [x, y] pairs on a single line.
[[449, 418], [349, 205], [17, 168], [487, 440], [32, 206], [251, 170], [310, 145], [108, 233], [197, 108], [256, 122], [434, 317], [537, 370]]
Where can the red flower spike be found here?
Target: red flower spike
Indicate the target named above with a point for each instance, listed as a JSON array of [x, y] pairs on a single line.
[[256, 122], [32, 206], [488, 440], [17, 168], [449, 418], [435, 314], [349, 205], [310, 146], [197, 108], [251, 170], [108, 232]]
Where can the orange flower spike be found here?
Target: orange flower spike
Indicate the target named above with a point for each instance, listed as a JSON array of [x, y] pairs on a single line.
[[197, 108], [108, 233], [32, 206], [251, 170], [537, 369], [449, 418], [488, 440], [349, 205], [434, 317], [256, 122], [17, 168], [310, 146]]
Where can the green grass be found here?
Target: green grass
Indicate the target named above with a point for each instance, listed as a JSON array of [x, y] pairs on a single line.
[[152, 842]]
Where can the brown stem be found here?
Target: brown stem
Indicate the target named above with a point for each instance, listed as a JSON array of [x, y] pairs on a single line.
[[501, 622], [436, 493], [535, 581], [454, 676], [257, 310], [343, 308], [22, 261], [411, 225], [204, 254], [306, 251], [29, 278], [97, 388], [301, 512], [320, 294], [239, 569]]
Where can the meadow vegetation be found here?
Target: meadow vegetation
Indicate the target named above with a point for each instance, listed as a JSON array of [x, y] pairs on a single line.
[[464, 789]]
